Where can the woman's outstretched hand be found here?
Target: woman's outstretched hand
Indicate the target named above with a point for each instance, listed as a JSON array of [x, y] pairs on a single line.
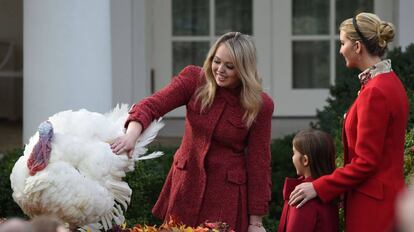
[[302, 194], [126, 143]]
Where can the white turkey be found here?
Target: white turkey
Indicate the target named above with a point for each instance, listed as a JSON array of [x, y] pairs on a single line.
[[69, 170]]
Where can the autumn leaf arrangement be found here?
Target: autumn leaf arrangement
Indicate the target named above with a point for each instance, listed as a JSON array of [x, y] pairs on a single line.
[[173, 225]]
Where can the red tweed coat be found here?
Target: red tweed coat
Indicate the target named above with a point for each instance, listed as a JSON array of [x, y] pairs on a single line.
[[373, 139], [314, 216], [221, 171]]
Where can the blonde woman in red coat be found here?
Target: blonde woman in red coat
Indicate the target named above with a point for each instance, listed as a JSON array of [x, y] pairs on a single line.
[[221, 171], [373, 133]]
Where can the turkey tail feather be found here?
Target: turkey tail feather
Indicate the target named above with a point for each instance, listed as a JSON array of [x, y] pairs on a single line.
[[150, 133], [147, 137], [150, 156]]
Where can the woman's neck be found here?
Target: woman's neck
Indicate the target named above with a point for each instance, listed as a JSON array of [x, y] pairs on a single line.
[[368, 61]]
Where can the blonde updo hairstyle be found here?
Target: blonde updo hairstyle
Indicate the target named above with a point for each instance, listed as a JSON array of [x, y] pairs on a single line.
[[376, 33], [243, 55]]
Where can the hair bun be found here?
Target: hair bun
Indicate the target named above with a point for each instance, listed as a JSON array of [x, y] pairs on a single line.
[[385, 33]]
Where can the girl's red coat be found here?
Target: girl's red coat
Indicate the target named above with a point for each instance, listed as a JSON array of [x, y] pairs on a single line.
[[314, 216]]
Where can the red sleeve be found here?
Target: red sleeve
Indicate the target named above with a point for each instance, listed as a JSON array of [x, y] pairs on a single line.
[[175, 94], [372, 122], [258, 160]]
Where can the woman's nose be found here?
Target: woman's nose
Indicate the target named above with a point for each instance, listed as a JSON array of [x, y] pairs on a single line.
[[221, 68]]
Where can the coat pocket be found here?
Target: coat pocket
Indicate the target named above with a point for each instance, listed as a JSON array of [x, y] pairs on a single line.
[[180, 163], [373, 188], [236, 177]]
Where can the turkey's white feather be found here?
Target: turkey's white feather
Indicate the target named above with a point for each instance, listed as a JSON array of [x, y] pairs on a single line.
[[82, 184]]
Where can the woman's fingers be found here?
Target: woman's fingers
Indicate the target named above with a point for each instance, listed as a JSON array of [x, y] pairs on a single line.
[[123, 144], [302, 202], [118, 146], [302, 194], [298, 197], [295, 196], [130, 153]]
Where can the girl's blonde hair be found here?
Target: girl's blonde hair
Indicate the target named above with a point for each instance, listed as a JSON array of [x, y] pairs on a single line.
[[243, 54], [376, 34]]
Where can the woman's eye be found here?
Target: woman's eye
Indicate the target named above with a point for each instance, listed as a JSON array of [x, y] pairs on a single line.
[[230, 66], [216, 61]]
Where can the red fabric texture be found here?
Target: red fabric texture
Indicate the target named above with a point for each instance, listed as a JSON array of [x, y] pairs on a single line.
[[221, 171], [373, 139], [314, 216]]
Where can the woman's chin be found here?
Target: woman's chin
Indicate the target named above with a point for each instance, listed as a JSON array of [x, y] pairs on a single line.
[[350, 64], [220, 83]]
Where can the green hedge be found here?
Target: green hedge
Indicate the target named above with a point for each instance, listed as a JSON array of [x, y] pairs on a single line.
[[8, 208]]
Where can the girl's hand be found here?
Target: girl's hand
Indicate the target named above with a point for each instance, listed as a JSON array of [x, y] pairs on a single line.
[[126, 143], [301, 194]]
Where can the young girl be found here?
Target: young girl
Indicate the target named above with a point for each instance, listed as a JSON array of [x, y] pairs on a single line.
[[313, 156]]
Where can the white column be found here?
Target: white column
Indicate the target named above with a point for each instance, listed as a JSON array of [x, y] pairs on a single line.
[[67, 59], [122, 55], [405, 23], [141, 44], [131, 49]]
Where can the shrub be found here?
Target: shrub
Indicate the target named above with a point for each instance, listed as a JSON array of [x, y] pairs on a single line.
[[146, 182], [409, 157], [8, 208]]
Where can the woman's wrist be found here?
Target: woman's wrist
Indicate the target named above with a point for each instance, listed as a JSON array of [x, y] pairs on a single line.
[[134, 129], [256, 220], [257, 224]]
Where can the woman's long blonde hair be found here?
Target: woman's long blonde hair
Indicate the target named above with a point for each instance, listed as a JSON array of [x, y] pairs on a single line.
[[243, 54]]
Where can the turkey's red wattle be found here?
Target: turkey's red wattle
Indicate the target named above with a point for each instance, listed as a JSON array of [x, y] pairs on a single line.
[[39, 158]]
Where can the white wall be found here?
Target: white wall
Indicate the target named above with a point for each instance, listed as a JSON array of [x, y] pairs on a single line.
[[131, 50], [121, 49], [405, 27], [67, 59]]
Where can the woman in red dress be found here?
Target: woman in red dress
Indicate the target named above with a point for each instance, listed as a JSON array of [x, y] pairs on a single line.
[[373, 133], [221, 171]]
